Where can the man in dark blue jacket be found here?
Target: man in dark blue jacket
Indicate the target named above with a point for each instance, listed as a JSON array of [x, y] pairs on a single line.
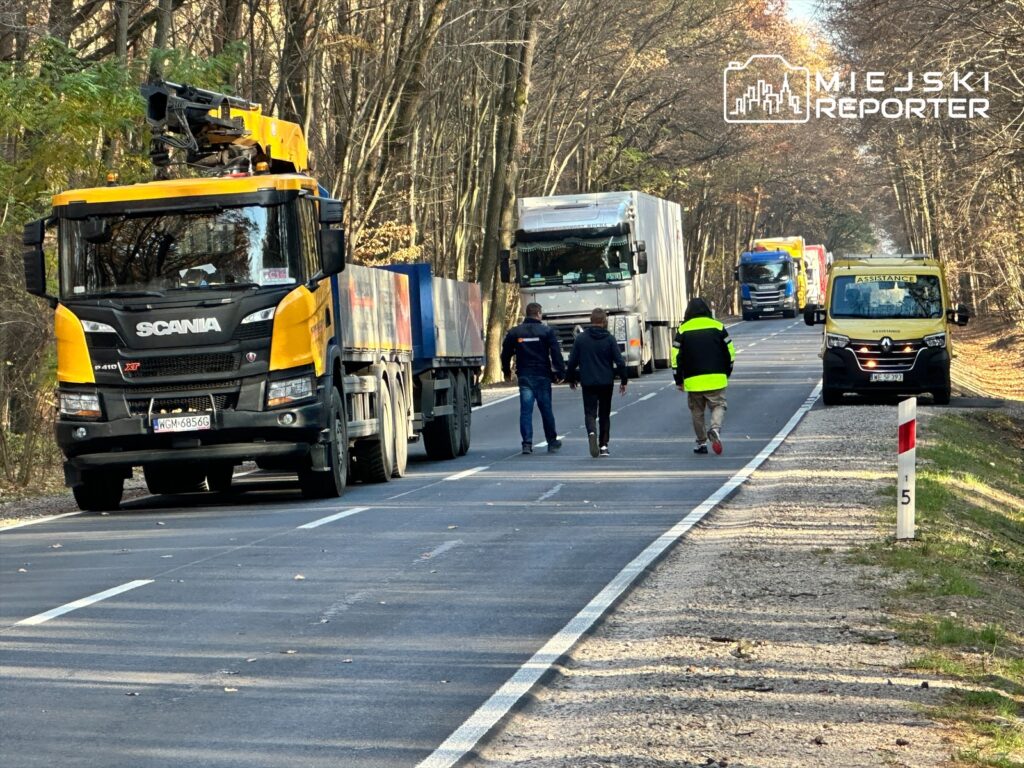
[[538, 360], [595, 353]]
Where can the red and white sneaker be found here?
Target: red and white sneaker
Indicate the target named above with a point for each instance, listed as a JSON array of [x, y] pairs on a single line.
[[716, 441]]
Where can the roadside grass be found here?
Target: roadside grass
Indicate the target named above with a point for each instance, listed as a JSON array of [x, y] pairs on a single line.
[[962, 598]]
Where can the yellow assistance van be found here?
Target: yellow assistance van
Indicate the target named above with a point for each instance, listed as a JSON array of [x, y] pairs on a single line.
[[887, 322]]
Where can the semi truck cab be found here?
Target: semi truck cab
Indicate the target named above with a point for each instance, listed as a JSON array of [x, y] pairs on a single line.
[[768, 285], [887, 328]]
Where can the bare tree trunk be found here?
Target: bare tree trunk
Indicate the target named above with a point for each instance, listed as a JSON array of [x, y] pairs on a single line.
[[160, 35]]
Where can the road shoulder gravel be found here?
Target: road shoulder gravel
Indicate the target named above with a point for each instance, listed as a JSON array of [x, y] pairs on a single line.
[[755, 642]]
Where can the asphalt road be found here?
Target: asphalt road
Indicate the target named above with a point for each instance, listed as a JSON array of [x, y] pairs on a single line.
[[245, 639]]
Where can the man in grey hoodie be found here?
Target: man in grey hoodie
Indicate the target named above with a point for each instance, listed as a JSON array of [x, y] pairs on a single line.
[[594, 362]]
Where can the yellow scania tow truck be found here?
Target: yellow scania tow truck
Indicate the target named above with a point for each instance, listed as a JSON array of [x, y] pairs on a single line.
[[206, 321], [887, 322]]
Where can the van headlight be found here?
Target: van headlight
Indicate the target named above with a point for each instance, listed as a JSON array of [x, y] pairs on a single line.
[[83, 405], [288, 391], [936, 340], [836, 340]]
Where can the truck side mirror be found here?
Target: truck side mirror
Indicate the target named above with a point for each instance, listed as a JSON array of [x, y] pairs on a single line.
[[641, 261], [35, 261], [331, 211], [504, 266], [332, 251], [959, 315]]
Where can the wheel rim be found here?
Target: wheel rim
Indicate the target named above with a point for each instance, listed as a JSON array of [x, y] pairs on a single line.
[[388, 432]]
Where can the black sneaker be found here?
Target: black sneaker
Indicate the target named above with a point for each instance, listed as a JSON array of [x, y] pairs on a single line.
[[716, 441], [527, 448], [701, 448], [554, 445], [604, 451], [592, 438]]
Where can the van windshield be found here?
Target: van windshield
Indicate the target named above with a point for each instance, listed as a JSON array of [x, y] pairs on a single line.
[[895, 296]]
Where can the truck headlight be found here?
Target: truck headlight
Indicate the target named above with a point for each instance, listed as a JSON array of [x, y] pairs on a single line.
[[91, 326], [84, 405], [260, 316], [936, 340], [836, 340], [288, 391]]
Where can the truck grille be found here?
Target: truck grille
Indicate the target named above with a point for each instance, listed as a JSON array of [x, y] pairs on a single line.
[[566, 335], [180, 365], [900, 358], [767, 297], [139, 406]]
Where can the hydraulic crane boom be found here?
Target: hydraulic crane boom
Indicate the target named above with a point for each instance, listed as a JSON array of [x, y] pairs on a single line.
[[220, 131]]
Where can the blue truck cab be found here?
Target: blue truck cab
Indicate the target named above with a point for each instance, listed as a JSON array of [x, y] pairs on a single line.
[[768, 284]]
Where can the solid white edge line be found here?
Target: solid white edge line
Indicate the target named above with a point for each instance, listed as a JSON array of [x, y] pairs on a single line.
[[40, 618], [466, 736], [46, 519], [495, 402], [332, 518], [466, 473]]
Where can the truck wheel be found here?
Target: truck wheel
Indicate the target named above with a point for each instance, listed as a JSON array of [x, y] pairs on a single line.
[[218, 477], [633, 371], [649, 365], [331, 483], [374, 457], [164, 479], [401, 432], [941, 396], [749, 316], [99, 492], [790, 313], [441, 434], [465, 410]]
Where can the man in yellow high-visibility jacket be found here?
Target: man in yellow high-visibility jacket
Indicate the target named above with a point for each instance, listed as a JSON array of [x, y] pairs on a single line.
[[703, 356]]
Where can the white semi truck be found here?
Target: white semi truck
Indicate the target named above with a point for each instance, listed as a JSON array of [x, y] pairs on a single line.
[[621, 251]]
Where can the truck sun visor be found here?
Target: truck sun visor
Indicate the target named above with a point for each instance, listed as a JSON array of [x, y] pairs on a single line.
[[583, 233]]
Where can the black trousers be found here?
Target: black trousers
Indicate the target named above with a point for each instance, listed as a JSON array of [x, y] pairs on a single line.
[[597, 406]]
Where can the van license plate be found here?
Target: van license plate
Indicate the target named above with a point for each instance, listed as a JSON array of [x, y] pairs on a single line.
[[181, 423], [887, 377]]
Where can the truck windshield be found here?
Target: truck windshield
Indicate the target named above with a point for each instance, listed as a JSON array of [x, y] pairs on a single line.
[[886, 296], [767, 272], [153, 253], [574, 260]]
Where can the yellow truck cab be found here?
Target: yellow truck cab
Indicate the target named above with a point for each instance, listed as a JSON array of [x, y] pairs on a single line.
[[887, 322]]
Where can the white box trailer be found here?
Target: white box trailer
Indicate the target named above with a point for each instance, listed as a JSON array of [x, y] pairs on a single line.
[[621, 251]]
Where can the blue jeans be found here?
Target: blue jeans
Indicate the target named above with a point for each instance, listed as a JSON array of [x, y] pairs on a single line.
[[537, 389]]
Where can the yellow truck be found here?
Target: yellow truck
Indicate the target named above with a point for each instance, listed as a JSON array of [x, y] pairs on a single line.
[[887, 322], [794, 246], [204, 322]]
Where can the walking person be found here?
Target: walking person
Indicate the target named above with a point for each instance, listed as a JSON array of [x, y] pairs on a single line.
[[704, 357], [594, 362], [538, 356]]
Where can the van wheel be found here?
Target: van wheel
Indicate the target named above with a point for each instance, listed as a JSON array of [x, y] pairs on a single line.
[[99, 491], [331, 483], [941, 396], [162, 479], [832, 397]]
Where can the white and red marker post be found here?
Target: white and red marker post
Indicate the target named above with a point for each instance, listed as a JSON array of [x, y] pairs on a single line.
[[906, 466]]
